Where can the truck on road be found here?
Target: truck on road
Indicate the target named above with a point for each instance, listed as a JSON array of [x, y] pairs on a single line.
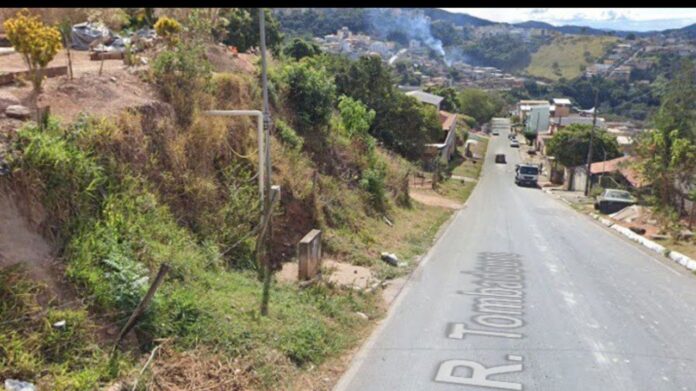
[[527, 174]]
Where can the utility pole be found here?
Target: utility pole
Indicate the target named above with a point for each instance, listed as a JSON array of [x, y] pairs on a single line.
[[588, 181], [264, 236], [268, 194]]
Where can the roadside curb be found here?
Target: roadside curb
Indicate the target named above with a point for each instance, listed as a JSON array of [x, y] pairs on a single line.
[[675, 256], [366, 345]]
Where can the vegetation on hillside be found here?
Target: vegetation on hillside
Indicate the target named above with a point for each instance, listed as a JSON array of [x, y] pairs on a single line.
[[618, 98], [162, 183], [567, 56], [668, 153], [472, 103]]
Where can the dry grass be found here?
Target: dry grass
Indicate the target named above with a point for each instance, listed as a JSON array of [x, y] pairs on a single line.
[[198, 369], [568, 52]]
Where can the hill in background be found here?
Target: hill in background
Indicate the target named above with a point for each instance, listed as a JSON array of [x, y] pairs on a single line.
[[565, 56]]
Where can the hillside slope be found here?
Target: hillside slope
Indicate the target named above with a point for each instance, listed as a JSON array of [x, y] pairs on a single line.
[[570, 53]]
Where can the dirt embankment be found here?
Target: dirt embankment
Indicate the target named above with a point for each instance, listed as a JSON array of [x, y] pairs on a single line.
[[20, 243]]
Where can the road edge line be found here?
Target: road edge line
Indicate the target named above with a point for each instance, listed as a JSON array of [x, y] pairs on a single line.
[[655, 248], [356, 360]]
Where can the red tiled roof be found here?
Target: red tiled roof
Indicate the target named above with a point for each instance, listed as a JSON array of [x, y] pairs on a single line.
[[620, 165], [607, 166], [447, 119]]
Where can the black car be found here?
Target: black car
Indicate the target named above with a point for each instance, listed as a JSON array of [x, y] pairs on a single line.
[[500, 158]]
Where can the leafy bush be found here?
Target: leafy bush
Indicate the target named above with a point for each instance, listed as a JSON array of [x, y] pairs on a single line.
[[373, 182], [183, 78], [310, 93], [243, 29], [300, 48], [71, 180], [288, 135], [113, 257]]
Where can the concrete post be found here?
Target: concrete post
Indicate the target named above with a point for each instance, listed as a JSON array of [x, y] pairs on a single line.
[[309, 255]]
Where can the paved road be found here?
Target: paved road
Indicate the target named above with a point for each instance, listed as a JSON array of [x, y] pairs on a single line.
[[522, 292]]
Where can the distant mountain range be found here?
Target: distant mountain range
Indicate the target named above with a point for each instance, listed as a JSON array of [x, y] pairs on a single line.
[[461, 19], [320, 21]]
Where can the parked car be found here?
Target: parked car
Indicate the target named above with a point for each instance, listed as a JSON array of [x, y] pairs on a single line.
[[514, 144], [500, 158], [613, 200], [495, 132]]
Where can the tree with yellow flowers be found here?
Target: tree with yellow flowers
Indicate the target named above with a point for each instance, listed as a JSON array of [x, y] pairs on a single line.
[[169, 29], [36, 42]]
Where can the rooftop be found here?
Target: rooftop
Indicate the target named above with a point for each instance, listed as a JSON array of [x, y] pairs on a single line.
[[425, 97], [447, 119], [561, 101], [621, 165], [576, 119]]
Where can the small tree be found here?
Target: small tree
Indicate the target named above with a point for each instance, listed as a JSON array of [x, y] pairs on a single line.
[[37, 43], [570, 145], [668, 159], [168, 29], [299, 48]]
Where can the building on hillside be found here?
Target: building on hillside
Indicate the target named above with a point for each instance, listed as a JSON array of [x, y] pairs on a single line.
[[622, 72], [538, 119], [445, 149], [597, 70], [561, 107], [426, 98], [524, 106]]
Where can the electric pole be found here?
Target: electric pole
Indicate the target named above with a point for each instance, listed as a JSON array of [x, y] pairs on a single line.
[[588, 181], [264, 236]]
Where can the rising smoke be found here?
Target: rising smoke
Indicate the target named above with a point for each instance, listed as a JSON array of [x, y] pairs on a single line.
[[414, 24]]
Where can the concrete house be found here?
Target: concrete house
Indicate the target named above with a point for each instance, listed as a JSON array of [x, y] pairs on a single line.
[[524, 106], [445, 149], [426, 98], [561, 107]]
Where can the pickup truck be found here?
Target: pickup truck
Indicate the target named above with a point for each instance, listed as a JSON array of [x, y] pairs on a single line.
[[526, 174]]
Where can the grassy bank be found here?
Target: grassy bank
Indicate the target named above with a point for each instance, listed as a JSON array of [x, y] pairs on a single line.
[[570, 53], [118, 222]]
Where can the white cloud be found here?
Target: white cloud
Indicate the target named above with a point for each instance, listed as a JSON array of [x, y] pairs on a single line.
[[638, 18]]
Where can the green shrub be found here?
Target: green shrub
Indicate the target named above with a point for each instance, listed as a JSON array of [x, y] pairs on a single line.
[[70, 180], [306, 342], [288, 135], [183, 78], [112, 257], [310, 93], [31, 348], [372, 181]]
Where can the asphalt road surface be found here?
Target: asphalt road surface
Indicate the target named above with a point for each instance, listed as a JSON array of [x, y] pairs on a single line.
[[523, 293]]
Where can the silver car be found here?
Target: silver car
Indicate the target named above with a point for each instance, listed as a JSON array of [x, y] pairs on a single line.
[[613, 200]]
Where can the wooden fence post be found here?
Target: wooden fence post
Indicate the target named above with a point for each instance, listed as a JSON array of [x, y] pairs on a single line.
[[164, 268]]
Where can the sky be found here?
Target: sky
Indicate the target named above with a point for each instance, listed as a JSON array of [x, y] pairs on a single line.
[[633, 19]]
